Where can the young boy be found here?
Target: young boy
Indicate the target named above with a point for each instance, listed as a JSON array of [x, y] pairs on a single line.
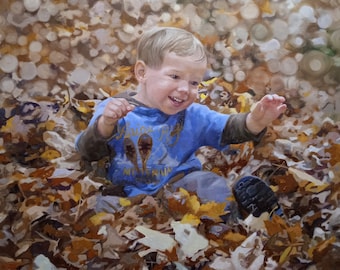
[[151, 135]]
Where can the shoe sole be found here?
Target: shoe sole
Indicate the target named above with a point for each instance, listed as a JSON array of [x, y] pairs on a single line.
[[255, 197]]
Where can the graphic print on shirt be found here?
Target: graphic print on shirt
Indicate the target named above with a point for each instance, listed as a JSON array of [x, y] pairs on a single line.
[[144, 148], [131, 153], [139, 151]]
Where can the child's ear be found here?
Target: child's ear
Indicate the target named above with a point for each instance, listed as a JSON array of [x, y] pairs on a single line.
[[140, 68]]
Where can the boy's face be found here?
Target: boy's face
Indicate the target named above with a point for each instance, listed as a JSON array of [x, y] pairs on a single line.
[[172, 87]]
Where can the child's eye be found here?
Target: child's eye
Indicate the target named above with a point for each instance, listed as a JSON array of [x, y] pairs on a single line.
[[174, 76], [194, 83]]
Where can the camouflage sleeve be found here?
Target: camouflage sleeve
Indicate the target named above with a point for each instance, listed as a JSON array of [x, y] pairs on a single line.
[[236, 131], [91, 145]]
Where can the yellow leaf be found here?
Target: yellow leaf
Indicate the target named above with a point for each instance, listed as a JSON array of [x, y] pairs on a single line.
[[77, 191], [98, 218], [213, 210], [191, 219], [315, 188], [193, 204], [83, 106], [203, 97], [191, 201], [285, 255], [50, 154], [8, 126], [209, 82], [83, 109], [244, 100], [124, 202], [184, 192]]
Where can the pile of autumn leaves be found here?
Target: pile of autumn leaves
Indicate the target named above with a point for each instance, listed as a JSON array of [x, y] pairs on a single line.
[[54, 217], [62, 219]]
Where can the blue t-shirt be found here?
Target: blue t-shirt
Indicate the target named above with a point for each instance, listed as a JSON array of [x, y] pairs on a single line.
[[151, 147]]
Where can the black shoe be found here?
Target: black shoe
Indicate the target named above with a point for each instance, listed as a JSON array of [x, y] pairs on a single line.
[[255, 197]]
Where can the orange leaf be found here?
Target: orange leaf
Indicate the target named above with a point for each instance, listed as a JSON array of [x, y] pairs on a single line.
[[294, 232], [335, 153], [235, 237], [317, 252], [63, 181], [272, 227], [43, 172], [276, 225]]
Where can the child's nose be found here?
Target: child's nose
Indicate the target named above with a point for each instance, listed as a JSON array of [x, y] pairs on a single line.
[[183, 85]]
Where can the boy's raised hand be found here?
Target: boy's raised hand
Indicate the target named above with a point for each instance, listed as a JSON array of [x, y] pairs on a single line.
[[115, 109], [269, 108]]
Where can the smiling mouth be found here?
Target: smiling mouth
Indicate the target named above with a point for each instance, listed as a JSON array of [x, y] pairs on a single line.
[[176, 100]]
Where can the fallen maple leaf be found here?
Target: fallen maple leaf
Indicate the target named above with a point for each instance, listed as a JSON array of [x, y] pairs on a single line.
[[191, 219], [318, 251], [308, 182], [212, 210], [155, 239]]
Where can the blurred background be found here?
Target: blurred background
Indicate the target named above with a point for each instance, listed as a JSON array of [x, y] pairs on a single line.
[[58, 58]]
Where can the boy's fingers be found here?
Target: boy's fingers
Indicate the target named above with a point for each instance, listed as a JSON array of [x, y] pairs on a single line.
[[270, 97], [274, 97], [282, 108], [130, 107]]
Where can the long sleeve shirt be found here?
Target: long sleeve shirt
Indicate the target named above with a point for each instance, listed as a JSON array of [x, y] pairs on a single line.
[[148, 148]]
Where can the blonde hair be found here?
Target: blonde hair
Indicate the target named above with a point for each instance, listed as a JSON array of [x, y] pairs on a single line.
[[155, 43]]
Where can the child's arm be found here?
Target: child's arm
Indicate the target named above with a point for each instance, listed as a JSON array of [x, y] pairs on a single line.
[[91, 143], [269, 108], [242, 127], [115, 109]]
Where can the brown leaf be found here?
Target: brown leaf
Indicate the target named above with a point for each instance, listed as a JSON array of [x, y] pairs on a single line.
[[285, 183], [316, 253], [43, 172]]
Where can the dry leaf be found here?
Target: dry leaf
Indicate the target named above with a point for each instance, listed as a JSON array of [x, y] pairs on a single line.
[[308, 182], [212, 210], [191, 219], [57, 216], [190, 241], [155, 240], [317, 252]]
